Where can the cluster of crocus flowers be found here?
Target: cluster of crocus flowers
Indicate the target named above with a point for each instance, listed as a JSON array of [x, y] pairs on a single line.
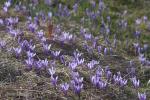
[[135, 82], [119, 80], [64, 87], [101, 78], [6, 5], [77, 83]]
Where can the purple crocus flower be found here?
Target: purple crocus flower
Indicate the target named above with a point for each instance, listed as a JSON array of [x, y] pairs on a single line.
[[75, 7], [66, 36], [105, 51], [123, 82], [137, 34], [32, 27], [17, 51], [45, 62], [77, 85], [99, 49], [14, 33], [30, 54], [74, 74], [1, 21], [95, 80], [78, 88], [52, 71], [93, 3], [7, 4], [49, 15], [29, 62], [66, 11], [38, 65], [99, 71], [80, 61], [5, 9], [119, 80], [102, 84], [77, 54], [64, 87], [73, 65], [142, 59], [135, 82], [54, 80], [142, 96], [138, 21], [108, 74], [87, 36], [101, 5], [46, 47], [2, 44], [31, 47], [91, 64], [40, 34], [56, 53]]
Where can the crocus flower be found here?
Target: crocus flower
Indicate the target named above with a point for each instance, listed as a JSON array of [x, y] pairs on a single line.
[[80, 61], [138, 21], [137, 34], [66, 11], [101, 5], [119, 80], [30, 54], [66, 36], [32, 27], [46, 47], [7, 4], [5, 9], [142, 59], [102, 84], [1, 22], [87, 36], [99, 49], [74, 74], [95, 80], [64, 87], [123, 82], [45, 62], [17, 51], [75, 7], [78, 88], [108, 73], [14, 33], [77, 85], [2, 44], [135, 82], [50, 15], [29, 62], [56, 53], [141, 96], [91, 64], [105, 51], [52, 71], [31, 47], [99, 72], [73, 65], [38, 64], [40, 34], [77, 54], [54, 80]]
